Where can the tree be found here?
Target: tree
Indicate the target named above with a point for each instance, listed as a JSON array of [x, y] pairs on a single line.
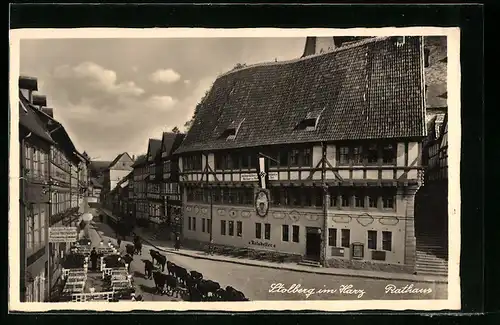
[[239, 66], [189, 123], [176, 130]]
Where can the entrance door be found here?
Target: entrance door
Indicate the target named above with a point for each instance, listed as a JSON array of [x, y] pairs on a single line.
[[313, 243]]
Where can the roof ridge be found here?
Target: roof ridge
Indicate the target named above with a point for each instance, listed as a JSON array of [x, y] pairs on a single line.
[[308, 57]]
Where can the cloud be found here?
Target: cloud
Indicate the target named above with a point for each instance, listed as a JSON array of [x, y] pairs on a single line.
[[187, 82], [165, 76], [161, 102], [98, 78], [135, 68]]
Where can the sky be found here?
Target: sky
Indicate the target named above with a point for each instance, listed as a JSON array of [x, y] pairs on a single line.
[[112, 95]]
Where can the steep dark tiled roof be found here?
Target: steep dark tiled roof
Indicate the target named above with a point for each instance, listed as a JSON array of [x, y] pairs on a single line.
[[141, 160], [368, 90], [171, 141], [154, 146], [29, 119]]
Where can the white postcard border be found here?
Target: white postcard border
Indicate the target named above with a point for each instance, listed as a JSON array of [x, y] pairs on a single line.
[[453, 301]]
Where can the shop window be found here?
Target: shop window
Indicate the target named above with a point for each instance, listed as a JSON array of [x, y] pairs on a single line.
[[258, 230], [284, 233], [318, 196], [372, 199], [245, 161], [223, 227], [295, 233], [372, 239], [194, 224], [231, 228], [343, 155], [345, 238], [202, 224], [387, 240], [267, 231], [209, 226], [239, 228], [275, 195], [332, 237], [294, 196], [334, 197]]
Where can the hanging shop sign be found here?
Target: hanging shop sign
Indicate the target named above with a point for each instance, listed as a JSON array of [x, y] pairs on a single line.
[[63, 234]]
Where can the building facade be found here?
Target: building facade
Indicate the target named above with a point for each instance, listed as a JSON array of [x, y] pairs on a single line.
[[153, 183], [170, 190], [140, 173], [120, 167], [52, 181], [334, 141]]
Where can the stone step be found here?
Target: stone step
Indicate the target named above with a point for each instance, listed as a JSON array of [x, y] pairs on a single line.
[[432, 263], [432, 272], [431, 266], [310, 263]]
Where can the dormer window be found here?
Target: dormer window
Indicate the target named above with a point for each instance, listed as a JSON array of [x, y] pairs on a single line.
[[232, 130], [310, 121], [400, 40]]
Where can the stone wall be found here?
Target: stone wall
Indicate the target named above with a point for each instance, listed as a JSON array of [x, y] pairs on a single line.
[[368, 266]]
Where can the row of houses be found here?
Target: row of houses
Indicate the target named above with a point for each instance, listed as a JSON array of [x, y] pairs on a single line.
[[320, 157], [53, 182]]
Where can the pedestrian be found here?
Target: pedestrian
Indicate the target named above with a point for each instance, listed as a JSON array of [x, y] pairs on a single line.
[[93, 258], [177, 242], [119, 241], [211, 247]]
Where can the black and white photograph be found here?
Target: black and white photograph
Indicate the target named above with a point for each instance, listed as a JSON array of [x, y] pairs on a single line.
[[234, 170]]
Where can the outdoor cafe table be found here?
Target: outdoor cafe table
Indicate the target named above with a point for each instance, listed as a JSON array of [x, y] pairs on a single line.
[[74, 287], [75, 279]]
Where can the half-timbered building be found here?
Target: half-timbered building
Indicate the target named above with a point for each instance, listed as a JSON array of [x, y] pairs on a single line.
[[52, 181], [140, 173], [153, 183], [336, 139], [170, 189]]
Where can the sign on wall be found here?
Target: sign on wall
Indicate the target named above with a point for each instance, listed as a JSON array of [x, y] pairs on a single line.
[[253, 177], [63, 234], [262, 202]]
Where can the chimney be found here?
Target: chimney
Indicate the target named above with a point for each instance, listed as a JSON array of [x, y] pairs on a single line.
[[27, 85], [133, 157], [39, 100], [317, 45]]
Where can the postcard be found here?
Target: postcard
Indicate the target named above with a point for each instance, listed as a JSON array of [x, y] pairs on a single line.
[[234, 169]]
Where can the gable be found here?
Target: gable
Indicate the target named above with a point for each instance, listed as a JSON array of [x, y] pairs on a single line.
[[124, 162]]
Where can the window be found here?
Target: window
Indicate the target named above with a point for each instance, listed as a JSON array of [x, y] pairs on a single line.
[[267, 231], [283, 158], [307, 158], [231, 228], [332, 237], [359, 200], [372, 154], [294, 157], [29, 232], [334, 197], [389, 154], [239, 228], [245, 161], [344, 155], [295, 234], [346, 200], [223, 227], [388, 201], [258, 230], [318, 196], [220, 161], [386, 240], [36, 227], [372, 200], [235, 160], [357, 155], [275, 195], [294, 196], [284, 233], [203, 224], [372, 239], [194, 224], [346, 238], [307, 197], [209, 226]]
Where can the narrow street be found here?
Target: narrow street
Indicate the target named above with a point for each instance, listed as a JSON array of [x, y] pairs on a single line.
[[143, 286], [257, 282]]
